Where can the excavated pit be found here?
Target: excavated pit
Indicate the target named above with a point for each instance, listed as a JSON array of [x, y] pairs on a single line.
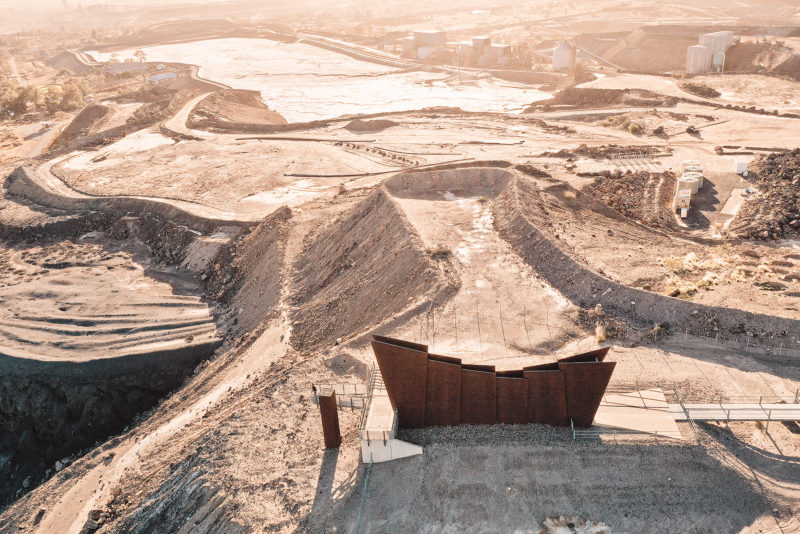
[[95, 328]]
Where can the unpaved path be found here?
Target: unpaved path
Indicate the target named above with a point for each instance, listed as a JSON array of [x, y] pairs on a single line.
[[178, 121], [54, 186], [95, 488]]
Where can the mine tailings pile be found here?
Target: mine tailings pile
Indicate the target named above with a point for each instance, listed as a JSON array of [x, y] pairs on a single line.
[[775, 214], [640, 195], [93, 370], [361, 270]]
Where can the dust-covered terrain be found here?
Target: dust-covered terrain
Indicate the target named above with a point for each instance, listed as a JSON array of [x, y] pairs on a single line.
[[207, 209]]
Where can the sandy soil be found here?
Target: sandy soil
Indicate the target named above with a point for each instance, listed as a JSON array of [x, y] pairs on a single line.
[[238, 447], [202, 171], [95, 297]]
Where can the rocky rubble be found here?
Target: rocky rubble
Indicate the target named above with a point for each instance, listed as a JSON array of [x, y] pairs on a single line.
[[624, 193], [776, 213]]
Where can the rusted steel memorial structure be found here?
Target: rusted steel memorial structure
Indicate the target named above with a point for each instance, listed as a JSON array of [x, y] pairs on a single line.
[[431, 390]]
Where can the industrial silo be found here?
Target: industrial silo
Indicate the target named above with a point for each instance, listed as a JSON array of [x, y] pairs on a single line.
[[562, 56]]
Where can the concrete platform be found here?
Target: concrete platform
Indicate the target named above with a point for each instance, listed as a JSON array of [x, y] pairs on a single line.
[[643, 411], [378, 430]]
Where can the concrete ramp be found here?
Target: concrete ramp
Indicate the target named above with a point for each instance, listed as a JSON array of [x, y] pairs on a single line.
[[645, 412], [378, 427]]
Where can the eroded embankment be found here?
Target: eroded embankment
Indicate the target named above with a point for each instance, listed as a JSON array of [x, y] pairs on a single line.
[[587, 288], [82, 124], [24, 182], [98, 324], [366, 267], [245, 276]]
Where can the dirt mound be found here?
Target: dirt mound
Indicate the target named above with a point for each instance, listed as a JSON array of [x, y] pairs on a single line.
[[759, 57], [234, 106], [67, 60], [364, 268], [700, 90], [246, 276], [775, 212], [643, 196], [652, 49], [82, 124], [590, 96], [376, 125]]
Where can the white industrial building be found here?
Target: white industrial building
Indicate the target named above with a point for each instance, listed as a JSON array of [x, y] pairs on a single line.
[[698, 59], [562, 56], [423, 43], [481, 52], [709, 54]]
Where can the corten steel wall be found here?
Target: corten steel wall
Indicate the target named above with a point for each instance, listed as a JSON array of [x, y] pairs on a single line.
[[432, 390], [512, 398], [547, 400], [585, 384], [443, 396], [597, 355], [405, 373], [478, 396], [330, 420]]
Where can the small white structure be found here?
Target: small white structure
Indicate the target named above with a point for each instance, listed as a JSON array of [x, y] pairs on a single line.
[[696, 175], [407, 44], [481, 42], [718, 62], [698, 59], [717, 41], [709, 54], [562, 57], [431, 38], [683, 201], [689, 182], [740, 166], [687, 163]]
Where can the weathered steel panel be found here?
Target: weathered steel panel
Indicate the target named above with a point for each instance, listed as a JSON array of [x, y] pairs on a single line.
[[443, 394], [547, 401], [553, 366], [330, 420], [404, 373], [478, 396], [585, 384], [401, 343], [597, 355], [512, 399]]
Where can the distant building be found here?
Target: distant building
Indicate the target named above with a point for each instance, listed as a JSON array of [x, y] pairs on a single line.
[[698, 59], [562, 57], [429, 38], [709, 54], [161, 78], [480, 51], [423, 43]]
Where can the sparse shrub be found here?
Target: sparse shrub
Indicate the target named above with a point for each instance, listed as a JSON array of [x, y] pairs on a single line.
[[635, 129], [570, 195], [440, 252]]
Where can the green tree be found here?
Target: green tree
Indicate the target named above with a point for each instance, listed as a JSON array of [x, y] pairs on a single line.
[[22, 97], [73, 96]]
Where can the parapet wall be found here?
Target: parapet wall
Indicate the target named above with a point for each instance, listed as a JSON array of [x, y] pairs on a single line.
[[431, 390]]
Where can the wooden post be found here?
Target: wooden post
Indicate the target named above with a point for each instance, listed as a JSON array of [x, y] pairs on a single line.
[[330, 420]]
